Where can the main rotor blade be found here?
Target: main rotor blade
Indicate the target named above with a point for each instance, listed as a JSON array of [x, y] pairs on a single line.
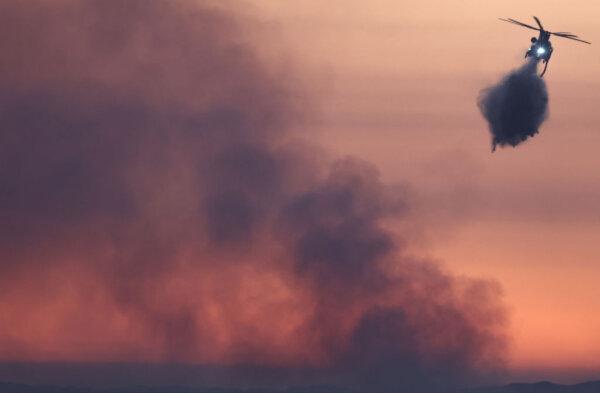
[[538, 22], [565, 35], [516, 22], [571, 38]]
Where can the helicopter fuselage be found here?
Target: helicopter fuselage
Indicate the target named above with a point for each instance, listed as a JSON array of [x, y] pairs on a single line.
[[541, 48]]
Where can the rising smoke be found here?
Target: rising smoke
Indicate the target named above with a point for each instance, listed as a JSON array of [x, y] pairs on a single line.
[[156, 206], [516, 107]]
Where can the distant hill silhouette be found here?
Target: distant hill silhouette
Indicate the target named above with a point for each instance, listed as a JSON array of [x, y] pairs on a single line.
[[542, 387], [538, 387]]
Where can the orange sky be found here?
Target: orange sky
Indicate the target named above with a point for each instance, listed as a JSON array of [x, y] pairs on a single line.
[[399, 81], [100, 264]]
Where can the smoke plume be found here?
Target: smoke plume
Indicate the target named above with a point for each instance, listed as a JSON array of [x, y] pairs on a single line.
[[516, 107], [157, 206]]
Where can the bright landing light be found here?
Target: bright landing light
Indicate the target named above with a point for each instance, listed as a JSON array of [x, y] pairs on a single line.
[[541, 51]]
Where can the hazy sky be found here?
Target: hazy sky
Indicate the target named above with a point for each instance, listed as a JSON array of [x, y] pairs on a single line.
[[400, 80], [160, 201]]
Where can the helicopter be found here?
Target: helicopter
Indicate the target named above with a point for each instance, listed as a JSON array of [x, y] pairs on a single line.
[[541, 48]]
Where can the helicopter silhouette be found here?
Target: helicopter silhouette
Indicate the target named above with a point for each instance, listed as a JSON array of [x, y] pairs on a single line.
[[541, 48]]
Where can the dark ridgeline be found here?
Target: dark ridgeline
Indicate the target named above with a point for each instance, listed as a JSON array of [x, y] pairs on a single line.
[[539, 387], [542, 387]]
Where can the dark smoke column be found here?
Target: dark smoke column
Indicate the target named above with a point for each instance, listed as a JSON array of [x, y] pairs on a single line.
[[156, 207], [516, 107]]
